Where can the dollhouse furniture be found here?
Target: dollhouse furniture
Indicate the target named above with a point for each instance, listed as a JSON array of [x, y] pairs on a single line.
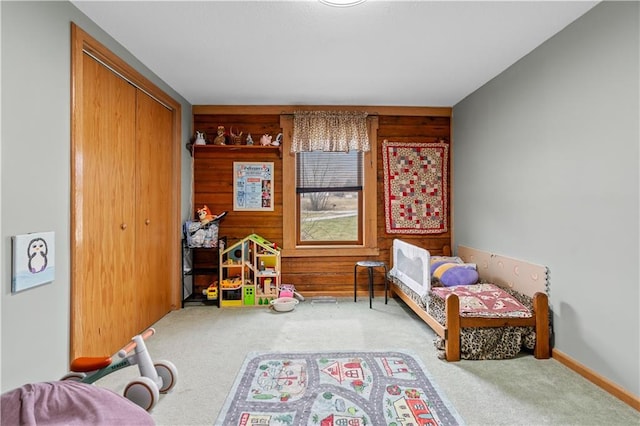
[[370, 265], [249, 272]]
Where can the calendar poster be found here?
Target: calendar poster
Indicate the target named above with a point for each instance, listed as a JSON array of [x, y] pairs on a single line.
[[252, 186]]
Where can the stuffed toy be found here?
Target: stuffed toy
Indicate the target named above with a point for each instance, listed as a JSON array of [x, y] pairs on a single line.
[[203, 233], [205, 216]]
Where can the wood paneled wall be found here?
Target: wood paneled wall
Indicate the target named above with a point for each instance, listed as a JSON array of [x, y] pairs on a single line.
[[213, 186]]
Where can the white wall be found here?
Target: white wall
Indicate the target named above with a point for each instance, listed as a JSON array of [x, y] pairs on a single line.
[[35, 170], [546, 159]]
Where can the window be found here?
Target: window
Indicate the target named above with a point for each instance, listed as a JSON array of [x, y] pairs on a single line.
[[329, 197], [348, 180]]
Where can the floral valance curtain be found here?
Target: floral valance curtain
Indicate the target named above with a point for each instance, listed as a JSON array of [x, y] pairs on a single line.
[[332, 131]]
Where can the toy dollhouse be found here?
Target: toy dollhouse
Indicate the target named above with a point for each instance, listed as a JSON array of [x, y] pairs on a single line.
[[249, 272]]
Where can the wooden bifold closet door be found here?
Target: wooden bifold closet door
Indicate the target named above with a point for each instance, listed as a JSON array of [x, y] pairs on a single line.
[[124, 228], [153, 192]]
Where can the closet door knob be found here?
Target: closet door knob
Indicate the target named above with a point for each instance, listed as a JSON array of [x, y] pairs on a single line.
[[148, 221], [123, 226]]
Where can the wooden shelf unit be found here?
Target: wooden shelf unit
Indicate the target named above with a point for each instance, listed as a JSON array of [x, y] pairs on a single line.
[[204, 271]]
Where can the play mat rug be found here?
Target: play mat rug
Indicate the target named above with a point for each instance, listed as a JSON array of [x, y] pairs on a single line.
[[335, 388]]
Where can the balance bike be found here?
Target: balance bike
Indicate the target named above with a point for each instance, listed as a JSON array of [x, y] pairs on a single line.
[[145, 390]]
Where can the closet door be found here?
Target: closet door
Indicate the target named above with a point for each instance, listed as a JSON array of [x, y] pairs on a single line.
[[125, 196], [103, 263], [153, 197]]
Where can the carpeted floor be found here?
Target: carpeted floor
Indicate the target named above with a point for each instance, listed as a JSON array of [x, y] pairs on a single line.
[[208, 345], [335, 388]]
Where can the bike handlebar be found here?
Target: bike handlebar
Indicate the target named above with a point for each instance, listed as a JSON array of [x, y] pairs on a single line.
[[132, 344]]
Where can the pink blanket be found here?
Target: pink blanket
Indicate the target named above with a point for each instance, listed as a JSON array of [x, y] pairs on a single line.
[[484, 300], [69, 403]]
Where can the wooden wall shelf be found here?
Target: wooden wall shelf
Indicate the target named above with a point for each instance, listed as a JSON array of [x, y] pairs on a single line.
[[206, 150]]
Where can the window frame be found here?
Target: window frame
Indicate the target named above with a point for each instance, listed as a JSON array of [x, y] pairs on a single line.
[[369, 210], [360, 196]]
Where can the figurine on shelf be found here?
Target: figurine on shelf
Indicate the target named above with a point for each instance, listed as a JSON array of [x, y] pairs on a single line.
[[236, 139], [200, 138], [249, 139], [221, 138], [278, 140], [265, 140]]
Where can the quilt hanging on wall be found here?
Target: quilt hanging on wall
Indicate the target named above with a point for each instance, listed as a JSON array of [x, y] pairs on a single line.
[[415, 187]]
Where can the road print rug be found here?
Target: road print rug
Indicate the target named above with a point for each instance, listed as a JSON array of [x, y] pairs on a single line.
[[335, 388]]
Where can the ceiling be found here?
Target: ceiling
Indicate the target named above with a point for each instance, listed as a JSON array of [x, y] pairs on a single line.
[[303, 52]]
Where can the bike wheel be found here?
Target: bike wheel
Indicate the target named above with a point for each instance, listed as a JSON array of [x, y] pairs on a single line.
[[169, 374], [143, 392], [74, 376]]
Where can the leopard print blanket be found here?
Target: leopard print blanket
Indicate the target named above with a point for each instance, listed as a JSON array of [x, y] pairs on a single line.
[[479, 343]]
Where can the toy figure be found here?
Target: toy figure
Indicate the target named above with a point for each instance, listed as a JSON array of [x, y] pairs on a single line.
[[265, 140], [205, 216], [278, 140], [236, 139], [200, 140], [221, 138]]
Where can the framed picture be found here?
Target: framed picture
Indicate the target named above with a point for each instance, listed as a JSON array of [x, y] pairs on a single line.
[[33, 260], [252, 186]]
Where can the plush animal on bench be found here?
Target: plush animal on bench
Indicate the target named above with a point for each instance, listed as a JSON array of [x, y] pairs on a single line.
[[201, 232]]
